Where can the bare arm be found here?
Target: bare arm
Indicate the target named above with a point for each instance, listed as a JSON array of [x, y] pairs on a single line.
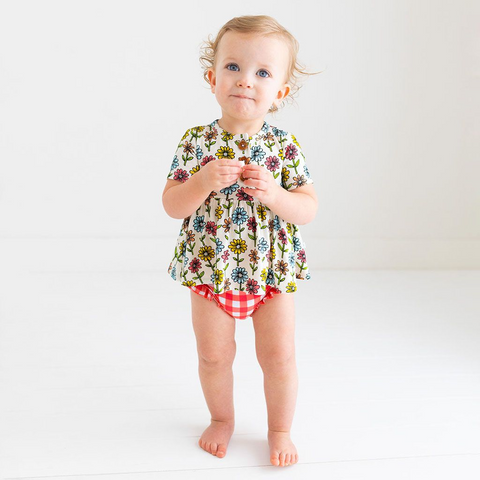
[[182, 199]]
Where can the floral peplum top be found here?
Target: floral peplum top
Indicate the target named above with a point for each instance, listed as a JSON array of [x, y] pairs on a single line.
[[232, 241]]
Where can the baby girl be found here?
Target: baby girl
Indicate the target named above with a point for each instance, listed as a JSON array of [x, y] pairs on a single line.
[[242, 188]]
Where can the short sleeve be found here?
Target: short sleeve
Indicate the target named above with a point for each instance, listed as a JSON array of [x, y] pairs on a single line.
[[294, 168], [184, 160]]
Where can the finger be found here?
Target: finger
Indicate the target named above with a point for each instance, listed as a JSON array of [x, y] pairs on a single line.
[[231, 163], [252, 167], [232, 174], [252, 191], [258, 184], [253, 175]]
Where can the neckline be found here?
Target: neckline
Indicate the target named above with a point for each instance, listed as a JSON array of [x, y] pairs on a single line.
[[243, 135]]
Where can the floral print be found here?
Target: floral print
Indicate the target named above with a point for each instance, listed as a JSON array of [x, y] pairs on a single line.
[[232, 241]]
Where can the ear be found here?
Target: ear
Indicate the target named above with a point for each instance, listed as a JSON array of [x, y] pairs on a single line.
[[282, 93], [212, 79]]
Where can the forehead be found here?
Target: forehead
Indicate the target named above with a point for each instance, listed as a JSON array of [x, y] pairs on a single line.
[[271, 48]]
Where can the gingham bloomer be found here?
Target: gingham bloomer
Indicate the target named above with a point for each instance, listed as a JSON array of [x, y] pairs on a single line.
[[233, 241]]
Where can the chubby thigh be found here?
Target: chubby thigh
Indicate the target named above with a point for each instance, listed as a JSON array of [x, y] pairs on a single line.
[[274, 324], [214, 331]]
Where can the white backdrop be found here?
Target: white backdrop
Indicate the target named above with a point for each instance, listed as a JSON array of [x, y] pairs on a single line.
[[95, 96]]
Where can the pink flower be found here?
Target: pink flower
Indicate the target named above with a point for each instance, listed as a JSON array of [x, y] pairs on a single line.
[[291, 151], [180, 175], [272, 163]]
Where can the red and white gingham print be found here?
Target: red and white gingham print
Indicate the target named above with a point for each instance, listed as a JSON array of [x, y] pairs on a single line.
[[239, 305]]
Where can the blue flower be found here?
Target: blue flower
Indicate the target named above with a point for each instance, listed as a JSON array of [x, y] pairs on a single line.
[[220, 246], [305, 169], [174, 163], [199, 152], [173, 273], [185, 261], [291, 259], [199, 223], [276, 223], [279, 133], [270, 278], [297, 245], [307, 276], [239, 216], [231, 189], [240, 275], [262, 245], [257, 153]]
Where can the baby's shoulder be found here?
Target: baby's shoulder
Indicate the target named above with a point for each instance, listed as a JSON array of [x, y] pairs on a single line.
[[283, 136], [196, 132], [278, 132]]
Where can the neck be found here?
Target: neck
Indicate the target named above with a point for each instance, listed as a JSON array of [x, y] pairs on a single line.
[[240, 126]]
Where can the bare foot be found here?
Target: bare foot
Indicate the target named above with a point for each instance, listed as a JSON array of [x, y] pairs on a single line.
[[282, 449], [215, 438]]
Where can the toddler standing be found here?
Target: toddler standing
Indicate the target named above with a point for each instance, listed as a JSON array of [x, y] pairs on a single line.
[[242, 188]]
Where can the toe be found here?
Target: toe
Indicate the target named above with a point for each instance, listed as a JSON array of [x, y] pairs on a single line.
[[222, 450], [282, 459], [213, 448], [287, 459], [274, 459]]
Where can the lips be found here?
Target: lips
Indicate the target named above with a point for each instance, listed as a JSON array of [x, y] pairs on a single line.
[[242, 96]]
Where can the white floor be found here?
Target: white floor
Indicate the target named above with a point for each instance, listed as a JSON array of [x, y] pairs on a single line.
[[99, 379]]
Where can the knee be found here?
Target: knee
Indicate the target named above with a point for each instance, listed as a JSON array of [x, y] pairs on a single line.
[[276, 359], [213, 356]]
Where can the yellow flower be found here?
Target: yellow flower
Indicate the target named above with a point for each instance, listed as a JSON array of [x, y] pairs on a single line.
[[285, 175], [295, 141], [226, 136], [194, 170], [186, 134], [273, 253], [262, 212], [263, 275], [289, 228], [225, 152], [238, 246], [197, 130], [218, 277], [219, 212], [190, 283], [291, 287], [206, 253]]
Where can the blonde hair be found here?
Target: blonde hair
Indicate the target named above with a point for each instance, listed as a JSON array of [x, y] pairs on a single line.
[[262, 25]]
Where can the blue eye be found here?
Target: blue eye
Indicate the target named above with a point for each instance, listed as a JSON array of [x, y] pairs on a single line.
[[234, 66], [263, 71]]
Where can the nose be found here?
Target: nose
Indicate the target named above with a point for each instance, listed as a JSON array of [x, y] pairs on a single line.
[[245, 81]]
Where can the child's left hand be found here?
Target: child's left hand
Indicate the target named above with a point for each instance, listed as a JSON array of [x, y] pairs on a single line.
[[266, 188]]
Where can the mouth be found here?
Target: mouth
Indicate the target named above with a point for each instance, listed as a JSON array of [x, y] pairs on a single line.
[[242, 96]]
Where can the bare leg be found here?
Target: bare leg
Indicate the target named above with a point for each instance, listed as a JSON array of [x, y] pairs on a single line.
[[215, 335], [274, 324]]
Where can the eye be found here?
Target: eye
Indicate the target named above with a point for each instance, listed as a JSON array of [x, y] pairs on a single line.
[[234, 67], [263, 73]]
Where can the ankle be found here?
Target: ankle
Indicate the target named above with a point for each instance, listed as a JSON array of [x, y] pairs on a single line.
[[225, 422], [271, 430]]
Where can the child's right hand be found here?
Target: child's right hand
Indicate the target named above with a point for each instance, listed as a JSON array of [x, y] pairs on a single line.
[[220, 173]]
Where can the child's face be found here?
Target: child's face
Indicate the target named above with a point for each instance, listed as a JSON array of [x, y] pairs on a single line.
[[249, 75]]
